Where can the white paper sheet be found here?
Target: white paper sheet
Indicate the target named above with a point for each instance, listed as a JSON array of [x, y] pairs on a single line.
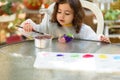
[[78, 61]]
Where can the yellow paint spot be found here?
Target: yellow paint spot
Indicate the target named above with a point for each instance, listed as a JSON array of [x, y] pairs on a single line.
[[102, 56]]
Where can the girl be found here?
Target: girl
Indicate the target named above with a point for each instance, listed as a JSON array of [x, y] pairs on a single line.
[[67, 18]]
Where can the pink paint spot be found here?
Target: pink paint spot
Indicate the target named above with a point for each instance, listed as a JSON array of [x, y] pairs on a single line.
[[45, 54], [88, 56]]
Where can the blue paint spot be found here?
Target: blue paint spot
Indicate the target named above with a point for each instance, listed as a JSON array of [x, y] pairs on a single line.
[[59, 55], [116, 57]]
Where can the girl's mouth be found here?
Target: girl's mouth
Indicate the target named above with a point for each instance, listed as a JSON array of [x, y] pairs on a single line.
[[62, 21]]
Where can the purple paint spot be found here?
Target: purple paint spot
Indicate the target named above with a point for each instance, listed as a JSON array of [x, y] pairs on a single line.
[[59, 55]]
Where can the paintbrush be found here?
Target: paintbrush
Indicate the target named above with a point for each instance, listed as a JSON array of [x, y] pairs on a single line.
[[32, 30]]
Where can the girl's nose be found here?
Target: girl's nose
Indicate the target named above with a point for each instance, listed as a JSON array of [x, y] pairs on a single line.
[[62, 16]]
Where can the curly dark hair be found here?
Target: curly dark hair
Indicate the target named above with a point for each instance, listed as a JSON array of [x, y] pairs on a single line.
[[79, 13]]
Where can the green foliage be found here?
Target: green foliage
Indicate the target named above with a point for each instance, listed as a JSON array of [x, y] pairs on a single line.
[[10, 0], [7, 8], [112, 15]]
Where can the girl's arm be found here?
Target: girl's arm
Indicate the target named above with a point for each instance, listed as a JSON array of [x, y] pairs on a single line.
[[42, 27], [88, 33], [28, 25]]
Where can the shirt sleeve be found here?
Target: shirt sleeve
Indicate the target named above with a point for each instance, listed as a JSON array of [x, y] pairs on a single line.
[[28, 34], [88, 33], [44, 26]]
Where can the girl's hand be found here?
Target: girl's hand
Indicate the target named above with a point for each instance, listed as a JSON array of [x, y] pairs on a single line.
[[27, 27], [105, 39], [61, 40]]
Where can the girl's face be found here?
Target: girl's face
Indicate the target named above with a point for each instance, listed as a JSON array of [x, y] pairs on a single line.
[[65, 14]]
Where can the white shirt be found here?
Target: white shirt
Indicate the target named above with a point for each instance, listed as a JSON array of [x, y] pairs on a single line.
[[46, 26], [86, 31]]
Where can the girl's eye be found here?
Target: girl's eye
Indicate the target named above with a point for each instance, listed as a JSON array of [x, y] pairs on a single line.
[[67, 14], [59, 12]]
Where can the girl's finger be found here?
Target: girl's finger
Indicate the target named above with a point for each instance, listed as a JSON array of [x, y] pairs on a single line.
[[104, 39], [62, 40], [27, 27]]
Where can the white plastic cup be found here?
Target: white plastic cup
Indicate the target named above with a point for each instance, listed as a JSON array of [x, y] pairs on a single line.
[[43, 41]]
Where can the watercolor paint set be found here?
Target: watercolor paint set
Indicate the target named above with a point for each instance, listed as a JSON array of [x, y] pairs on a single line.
[[99, 62]]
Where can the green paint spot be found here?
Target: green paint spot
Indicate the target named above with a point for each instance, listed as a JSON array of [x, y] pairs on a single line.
[[75, 55]]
